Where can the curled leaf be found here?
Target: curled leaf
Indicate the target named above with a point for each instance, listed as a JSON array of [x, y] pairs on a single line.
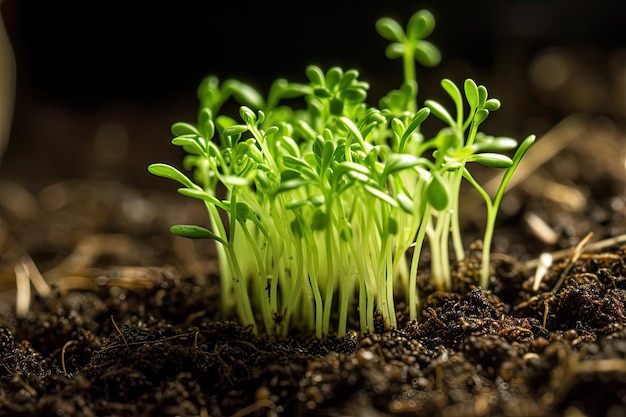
[[485, 143], [235, 130], [168, 171], [183, 128], [427, 54], [437, 192], [395, 50], [389, 29], [333, 76], [191, 143], [322, 92], [195, 232], [492, 104], [440, 112], [245, 94], [471, 93], [315, 75], [480, 116], [453, 91], [420, 25], [493, 160]]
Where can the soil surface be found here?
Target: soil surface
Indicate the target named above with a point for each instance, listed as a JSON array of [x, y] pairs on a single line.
[[104, 313]]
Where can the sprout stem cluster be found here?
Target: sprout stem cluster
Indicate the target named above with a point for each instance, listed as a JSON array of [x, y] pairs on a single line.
[[316, 207]]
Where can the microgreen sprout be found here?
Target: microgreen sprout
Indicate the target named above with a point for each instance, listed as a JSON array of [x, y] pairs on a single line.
[[315, 207]]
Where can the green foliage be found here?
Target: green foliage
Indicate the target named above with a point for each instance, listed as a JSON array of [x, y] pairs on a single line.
[[314, 207]]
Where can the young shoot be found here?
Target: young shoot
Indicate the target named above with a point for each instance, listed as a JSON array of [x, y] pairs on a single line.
[[320, 212]]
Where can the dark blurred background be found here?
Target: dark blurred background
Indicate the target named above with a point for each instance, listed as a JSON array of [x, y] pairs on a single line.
[[100, 82]]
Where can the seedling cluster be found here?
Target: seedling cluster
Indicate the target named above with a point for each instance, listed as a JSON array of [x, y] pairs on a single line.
[[315, 207]]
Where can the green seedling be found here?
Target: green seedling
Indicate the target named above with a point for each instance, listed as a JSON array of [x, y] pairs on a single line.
[[315, 207]]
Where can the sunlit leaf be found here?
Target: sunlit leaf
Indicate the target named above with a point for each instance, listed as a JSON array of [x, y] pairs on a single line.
[[168, 171], [493, 160]]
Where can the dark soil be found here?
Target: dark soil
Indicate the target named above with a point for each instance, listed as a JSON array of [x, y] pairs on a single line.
[[131, 326], [124, 319]]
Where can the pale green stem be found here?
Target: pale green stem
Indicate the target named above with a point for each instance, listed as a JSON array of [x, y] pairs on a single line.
[[419, 241]]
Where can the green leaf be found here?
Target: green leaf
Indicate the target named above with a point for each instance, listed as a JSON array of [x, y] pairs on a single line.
[[523, 148], [336, 107], [440, 112], [346, 167], [446, 138], [482, 96], [493, 160], [398, 162], [296, 229], [297, 164], [437, 192], [235, 130], [235, 181], [168, 171], [427, 54], [322, 92], [243, 211], [320, 219], [453, 91], [345, 231], [392, 226], [327, 155], [405, 203], [201, 195], [271, 131], [205, 123], [471, 93], [183, 128], [351, 128], [195, 232], [486, 143], [281, 88], [304, 129], [292, 184], [349, 78], [395, 50], [380, 195], [353, 94], [315, 75], [420, 25], [191, 144], [414, 125], [492, 104], [397, 127], [390, 29], [245, 94], [248, 116], [480, 116], [333, 76]]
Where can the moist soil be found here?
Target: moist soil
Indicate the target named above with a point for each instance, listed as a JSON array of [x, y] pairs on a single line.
[[104, 313], [128, 324]]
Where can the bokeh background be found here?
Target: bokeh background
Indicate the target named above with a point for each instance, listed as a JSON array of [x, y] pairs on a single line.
[[100, 82]]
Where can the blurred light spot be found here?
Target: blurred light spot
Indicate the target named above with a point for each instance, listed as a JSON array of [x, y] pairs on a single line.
[[53, 197], [550, 69], [138, 210], [111, 142]]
